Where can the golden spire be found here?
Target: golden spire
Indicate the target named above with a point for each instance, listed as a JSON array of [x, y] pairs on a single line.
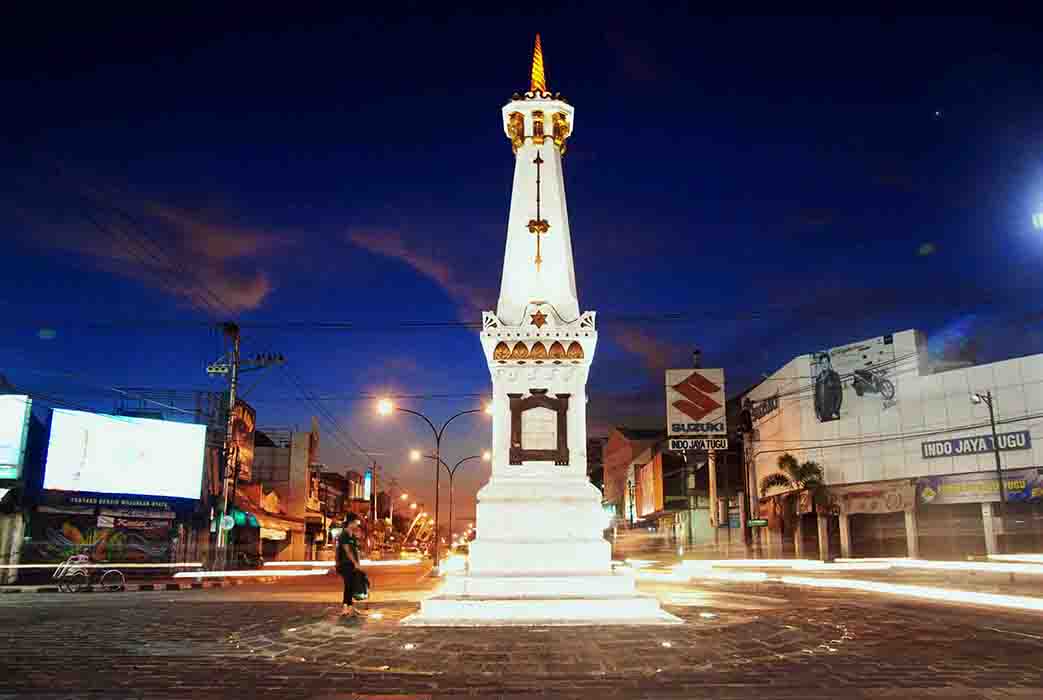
[[539, 80]]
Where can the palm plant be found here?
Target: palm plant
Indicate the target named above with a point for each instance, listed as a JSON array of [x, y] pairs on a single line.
[[799, 476]]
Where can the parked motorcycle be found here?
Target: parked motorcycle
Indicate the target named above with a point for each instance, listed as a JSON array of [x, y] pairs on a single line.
[[867, 381]]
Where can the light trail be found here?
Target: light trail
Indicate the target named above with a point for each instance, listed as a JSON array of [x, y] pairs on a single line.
[[113, 565], [1027, 558], [251, 573], [941, 595], [332, 564]]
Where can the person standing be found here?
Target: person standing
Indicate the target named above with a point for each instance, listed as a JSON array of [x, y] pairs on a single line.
[[348, 564]]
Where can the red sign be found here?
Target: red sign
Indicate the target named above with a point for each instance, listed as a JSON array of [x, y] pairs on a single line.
[[696, 404]]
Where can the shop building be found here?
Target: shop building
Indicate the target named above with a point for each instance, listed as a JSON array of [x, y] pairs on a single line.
[[664, 500], [906, 450], [283, 465]]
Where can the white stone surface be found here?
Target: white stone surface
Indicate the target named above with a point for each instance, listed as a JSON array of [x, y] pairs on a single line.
[[559, 610]]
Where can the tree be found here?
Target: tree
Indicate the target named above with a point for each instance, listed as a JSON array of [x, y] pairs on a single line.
[[799, 476]]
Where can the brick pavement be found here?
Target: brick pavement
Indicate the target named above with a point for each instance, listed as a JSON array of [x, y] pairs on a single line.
[[767, 641]]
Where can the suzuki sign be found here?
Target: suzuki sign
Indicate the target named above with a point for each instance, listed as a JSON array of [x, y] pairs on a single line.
[[695, 403]]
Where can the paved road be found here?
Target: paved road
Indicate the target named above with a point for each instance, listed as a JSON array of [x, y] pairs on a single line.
[[738, 641]]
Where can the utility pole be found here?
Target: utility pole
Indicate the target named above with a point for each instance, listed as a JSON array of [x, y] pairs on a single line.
[[221, 556], [987, 399], [230, 365]]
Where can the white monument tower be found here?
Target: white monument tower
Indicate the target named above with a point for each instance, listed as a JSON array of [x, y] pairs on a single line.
[[539, 556]]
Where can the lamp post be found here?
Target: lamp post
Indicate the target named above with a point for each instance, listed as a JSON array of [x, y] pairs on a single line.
[[485, 457], [986, 398], [386, 407]]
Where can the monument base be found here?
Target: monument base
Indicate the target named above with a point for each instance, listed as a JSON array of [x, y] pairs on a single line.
[[606, 599]]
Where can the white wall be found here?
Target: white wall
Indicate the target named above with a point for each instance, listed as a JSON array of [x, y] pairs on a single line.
[[874, 441]]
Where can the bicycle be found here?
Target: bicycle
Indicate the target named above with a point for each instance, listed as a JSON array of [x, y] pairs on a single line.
[[74, 575]]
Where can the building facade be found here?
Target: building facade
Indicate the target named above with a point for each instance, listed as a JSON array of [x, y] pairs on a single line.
[[907, 451]]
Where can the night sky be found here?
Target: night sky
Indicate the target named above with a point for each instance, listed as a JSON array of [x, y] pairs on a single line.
[[758, 188]]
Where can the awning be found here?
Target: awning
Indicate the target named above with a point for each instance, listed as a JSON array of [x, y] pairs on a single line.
[[271, 534], [269, 522]]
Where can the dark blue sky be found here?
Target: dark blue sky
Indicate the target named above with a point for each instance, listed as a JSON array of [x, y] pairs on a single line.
[[783, 184]]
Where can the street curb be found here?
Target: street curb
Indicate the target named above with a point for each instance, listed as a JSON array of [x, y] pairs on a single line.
[[141, 587]]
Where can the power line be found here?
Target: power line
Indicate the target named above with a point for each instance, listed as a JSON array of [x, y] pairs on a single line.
[[666, 318], [325, 413]]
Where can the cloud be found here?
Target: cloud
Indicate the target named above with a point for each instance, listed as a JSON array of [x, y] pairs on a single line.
[[393, 246], [656, 353], [203, 261]]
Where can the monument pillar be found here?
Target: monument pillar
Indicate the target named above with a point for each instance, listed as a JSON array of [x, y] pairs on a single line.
[[540, 556]]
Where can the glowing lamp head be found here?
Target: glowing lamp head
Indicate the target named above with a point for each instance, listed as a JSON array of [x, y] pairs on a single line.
[[487, 455], [489, 408], [1037, 221], [385, 407], [975, 398], [403, 497], [414, 455]]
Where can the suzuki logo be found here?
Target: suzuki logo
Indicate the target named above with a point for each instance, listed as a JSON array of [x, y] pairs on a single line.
[[698, 405]]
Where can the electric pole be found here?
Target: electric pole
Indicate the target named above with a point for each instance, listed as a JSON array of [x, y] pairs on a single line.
[[230, 365], [232, 368]]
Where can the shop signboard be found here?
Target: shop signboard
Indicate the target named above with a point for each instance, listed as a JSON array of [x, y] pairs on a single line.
[[695, 403], [1019, 485], [978, 444], [14, 427], [244, 421], [872, 498]]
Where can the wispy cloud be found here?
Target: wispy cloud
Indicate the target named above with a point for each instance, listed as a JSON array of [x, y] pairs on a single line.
[[656, 353], [392, 245], [200, 259]]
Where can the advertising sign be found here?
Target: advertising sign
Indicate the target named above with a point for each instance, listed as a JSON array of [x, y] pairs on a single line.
[[14, 427], [367, 488], [866, 367], [1020, 486], [98, 453], [244, 421], [867, 498], [1020, 440], [695, 403], [704, 444]]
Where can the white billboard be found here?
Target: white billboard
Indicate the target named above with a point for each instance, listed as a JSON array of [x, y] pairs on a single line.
[[121, 454], [14, 426], [695, 404], [869, 367]]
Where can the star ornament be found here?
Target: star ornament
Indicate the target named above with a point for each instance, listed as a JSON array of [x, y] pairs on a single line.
[[538, 319]]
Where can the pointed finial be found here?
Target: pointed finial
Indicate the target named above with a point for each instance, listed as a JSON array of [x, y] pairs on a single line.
[[539, 80]]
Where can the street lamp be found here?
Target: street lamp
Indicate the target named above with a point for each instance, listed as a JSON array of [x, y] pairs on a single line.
[[986, 398], [391, 504], [386, 407], [485, 457]]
